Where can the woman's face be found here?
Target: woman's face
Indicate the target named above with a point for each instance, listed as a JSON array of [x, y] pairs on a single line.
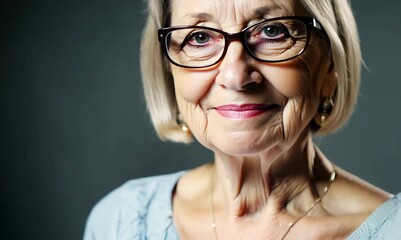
[[242, 106]]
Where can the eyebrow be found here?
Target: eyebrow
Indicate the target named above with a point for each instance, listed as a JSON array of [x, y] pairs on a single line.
[[258, 13], [198, 17]]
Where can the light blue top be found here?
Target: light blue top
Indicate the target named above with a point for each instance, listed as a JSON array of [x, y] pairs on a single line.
[[142, 209]]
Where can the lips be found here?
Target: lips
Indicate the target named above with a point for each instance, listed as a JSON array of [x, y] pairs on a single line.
[[243, 111]]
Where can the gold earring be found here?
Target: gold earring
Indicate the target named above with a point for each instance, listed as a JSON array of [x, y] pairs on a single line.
[[324, 111], [183, 126]]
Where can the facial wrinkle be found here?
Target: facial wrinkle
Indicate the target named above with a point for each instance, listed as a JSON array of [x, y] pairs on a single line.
[[241, 12]]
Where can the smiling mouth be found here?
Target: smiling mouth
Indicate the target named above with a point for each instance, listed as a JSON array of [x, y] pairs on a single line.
[[244, 111]]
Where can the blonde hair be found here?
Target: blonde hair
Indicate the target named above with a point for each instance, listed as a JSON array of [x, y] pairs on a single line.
[[334, 15]]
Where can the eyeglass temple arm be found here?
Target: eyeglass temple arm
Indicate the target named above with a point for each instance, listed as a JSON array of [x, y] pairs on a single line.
[[316, 24]]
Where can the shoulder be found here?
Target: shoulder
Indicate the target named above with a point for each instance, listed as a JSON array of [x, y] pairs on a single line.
[[391, 225], [384, 223], [124, 212]]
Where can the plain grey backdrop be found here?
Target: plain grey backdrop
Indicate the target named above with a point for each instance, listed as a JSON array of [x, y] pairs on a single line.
[[74, 124]]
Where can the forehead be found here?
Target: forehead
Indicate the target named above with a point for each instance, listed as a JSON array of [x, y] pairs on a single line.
[[234, 11]]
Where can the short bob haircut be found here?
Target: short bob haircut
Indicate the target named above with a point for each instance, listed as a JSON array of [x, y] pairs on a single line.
[[338, 21]]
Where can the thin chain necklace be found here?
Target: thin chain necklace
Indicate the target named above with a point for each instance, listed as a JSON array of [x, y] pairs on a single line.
[[291, 224]]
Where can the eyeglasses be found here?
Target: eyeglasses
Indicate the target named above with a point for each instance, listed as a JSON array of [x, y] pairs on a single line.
[[271, 40]]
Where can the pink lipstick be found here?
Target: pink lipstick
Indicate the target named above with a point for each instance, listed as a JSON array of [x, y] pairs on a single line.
[[242, 111]]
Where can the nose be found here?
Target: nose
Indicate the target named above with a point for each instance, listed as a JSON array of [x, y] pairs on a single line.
[[235, 70]]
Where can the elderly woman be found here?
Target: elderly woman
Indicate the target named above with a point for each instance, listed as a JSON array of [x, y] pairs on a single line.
[[251, 80]]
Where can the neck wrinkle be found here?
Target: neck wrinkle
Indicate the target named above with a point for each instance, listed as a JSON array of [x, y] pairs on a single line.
[[277, 176]]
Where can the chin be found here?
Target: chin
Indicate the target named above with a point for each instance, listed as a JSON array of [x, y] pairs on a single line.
[[245, 143]]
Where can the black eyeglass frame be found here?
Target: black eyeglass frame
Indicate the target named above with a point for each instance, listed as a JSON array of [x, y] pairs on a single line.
[[310, 23]]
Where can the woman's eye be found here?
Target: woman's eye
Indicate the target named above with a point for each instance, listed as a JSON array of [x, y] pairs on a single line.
[[274, 31], [199, 38]]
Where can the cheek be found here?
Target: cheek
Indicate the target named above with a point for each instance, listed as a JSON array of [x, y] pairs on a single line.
[[191, 86], [297, 83], [289, 80]]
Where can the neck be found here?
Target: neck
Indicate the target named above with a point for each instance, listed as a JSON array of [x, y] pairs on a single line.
[[246, 184]]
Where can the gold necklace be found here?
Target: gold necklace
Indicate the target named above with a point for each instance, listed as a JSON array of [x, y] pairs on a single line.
[[212, 205], [291, 224]]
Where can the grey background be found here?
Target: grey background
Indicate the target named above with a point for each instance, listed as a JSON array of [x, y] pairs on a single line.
[[74, 123]]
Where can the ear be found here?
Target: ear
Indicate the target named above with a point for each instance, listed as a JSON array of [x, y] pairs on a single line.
[[330, 84]]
